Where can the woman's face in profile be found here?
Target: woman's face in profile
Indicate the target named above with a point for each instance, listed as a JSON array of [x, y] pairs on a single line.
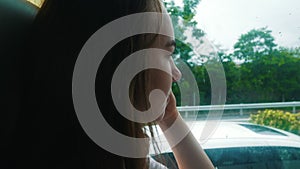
[[158, 78]]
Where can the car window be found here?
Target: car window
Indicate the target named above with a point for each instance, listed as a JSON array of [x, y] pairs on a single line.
[[246, 157], [289, 157], [258, 46], [259, 51], [241, 157], [256, 157], [262, 130]]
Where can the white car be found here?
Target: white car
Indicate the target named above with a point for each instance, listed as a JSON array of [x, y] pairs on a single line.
[[235, 145]]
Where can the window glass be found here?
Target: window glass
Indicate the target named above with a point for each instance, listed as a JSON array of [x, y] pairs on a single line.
[[245, 157], [289, 157], [256, 157], [262, 130]]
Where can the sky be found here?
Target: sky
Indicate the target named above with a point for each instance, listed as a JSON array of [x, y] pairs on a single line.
[[225, 20]]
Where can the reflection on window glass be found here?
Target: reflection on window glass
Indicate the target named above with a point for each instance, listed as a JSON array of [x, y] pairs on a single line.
[[262, 130], [259, 157], [37, 3], [255, 157], [289, 157]]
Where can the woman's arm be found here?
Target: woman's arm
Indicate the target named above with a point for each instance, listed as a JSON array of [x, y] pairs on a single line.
[[187, 151]]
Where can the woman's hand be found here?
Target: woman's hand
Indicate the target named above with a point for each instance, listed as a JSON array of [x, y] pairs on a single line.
[[171, 113], [188, 152]]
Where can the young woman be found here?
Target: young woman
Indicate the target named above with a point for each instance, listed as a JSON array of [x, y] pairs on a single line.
[[50, 134]]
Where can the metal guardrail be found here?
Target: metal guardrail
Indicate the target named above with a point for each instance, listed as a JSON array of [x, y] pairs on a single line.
[[241, 106]]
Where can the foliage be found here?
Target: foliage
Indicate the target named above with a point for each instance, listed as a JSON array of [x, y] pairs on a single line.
[[254, 43], [184, 22], [273, 77], [266, 72], [266, 75], [278, 119]]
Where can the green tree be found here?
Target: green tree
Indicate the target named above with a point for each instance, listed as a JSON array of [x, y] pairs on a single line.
[[183, 22], [203, 83], [253, 44], [288, 74], [271, 78], [268, 73]]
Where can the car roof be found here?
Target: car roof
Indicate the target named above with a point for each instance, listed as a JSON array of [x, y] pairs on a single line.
[[225, 130], [220, 134]]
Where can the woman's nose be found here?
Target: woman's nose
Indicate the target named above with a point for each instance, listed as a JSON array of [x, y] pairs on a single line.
[[176, 74]]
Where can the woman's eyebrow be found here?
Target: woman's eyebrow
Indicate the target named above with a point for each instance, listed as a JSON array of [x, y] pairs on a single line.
[[171, 43]]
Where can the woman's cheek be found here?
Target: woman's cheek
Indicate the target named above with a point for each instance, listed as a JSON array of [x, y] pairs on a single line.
[[160, 80]]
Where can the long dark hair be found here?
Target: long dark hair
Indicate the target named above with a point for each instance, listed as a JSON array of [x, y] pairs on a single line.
[[49, 134]]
